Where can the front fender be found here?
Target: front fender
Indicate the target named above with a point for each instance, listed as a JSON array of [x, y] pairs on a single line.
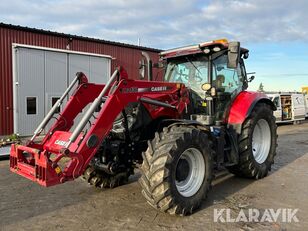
[[242, 107]]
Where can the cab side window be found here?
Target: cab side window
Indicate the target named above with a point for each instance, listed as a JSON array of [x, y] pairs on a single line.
[[226, 79]]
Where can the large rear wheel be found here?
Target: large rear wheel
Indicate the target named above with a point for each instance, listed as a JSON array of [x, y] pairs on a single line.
[[177, 170], [257, 144]]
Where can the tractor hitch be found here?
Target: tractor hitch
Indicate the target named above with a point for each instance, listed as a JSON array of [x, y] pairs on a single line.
[[49, 163], [33, 164]]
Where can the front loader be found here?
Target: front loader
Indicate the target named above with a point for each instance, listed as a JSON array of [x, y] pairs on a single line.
[[176, 131]]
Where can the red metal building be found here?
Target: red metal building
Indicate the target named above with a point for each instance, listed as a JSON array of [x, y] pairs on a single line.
[[123, 54]]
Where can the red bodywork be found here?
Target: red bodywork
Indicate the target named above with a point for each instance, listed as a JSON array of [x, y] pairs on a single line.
[[40, 162], [242, 105]]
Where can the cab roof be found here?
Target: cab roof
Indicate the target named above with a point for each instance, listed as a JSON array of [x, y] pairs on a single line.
[[197, 48]]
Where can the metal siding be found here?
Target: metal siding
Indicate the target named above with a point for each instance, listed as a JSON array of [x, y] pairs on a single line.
[[125, 56]]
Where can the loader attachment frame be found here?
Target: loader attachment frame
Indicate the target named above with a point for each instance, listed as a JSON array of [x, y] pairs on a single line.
[[63, 155]]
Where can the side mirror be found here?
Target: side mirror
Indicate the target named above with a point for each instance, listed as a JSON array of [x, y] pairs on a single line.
[[251, 78], [233, 54], [246, 55]]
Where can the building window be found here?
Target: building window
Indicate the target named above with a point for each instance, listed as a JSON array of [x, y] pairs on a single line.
[[53, 101], [31, 105]]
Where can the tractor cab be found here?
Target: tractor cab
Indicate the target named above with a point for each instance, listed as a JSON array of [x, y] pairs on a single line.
[[213, 71]]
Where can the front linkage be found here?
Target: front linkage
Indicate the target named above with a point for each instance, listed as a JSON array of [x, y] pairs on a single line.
[[42, 162]]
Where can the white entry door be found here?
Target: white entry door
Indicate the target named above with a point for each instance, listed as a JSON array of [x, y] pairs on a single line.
[[29, 90]]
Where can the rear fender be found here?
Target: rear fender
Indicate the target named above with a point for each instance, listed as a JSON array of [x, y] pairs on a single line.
[[242, 107]]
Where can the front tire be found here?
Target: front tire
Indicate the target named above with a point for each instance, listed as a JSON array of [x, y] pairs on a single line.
[[177, 170], [257, 144]]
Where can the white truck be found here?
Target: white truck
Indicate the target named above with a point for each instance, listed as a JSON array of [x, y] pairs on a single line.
[[291, 107], [306, 103]]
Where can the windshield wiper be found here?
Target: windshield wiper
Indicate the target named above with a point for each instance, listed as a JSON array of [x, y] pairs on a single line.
[[193, 65]]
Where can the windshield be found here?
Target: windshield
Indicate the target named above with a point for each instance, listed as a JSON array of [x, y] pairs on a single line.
[[192, 71]]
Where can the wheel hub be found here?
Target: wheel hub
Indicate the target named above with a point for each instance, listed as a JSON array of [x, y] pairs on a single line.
[[182, 170], [190, 172], [261, 141]]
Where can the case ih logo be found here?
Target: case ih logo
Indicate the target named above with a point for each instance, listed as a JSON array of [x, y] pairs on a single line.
[[135, 89], [61, 143], [164, 88]]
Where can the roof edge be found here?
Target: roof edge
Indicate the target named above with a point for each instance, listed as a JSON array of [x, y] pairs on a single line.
[[54, 33]]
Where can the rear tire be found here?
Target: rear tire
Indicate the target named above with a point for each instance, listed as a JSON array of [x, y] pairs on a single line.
[[257, 144], [177, 170]]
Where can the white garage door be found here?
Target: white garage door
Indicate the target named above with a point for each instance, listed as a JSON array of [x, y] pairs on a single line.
[[41, 75]]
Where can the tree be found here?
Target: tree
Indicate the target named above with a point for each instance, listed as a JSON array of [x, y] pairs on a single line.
[[261, 88]]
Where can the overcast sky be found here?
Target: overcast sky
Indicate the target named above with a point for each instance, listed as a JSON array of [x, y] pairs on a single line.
[[275, 32]]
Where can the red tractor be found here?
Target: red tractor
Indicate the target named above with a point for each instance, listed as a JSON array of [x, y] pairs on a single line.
[[178, 131]]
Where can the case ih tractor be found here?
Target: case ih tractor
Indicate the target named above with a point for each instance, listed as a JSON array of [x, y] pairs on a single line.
[[177, 131]]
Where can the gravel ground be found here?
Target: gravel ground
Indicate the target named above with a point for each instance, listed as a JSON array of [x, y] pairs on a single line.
[[77, 206]]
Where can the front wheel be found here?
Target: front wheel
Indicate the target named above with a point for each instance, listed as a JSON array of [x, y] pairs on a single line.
[[257, 144], [177, 170]]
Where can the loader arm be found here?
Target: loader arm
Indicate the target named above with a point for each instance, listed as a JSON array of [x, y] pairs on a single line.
[[42, 161]]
